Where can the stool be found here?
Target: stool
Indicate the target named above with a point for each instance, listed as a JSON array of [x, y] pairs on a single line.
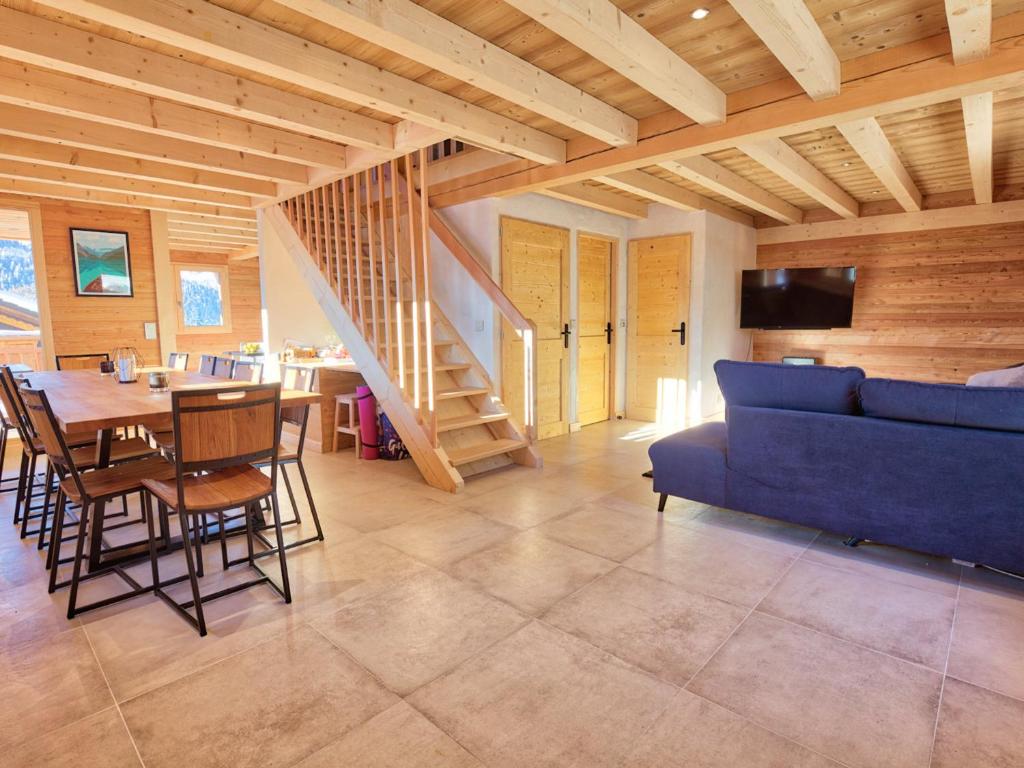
[[347, 399]]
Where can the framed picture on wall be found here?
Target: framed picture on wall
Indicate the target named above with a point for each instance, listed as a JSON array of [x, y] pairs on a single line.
[[102, 263]]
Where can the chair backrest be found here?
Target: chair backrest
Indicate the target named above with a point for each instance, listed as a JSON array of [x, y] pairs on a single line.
[[251, 372], [226, 426], [81, 362], [178, 361], [223, 366], [302, 379], [44, 423], [207, 364], [13, 405]]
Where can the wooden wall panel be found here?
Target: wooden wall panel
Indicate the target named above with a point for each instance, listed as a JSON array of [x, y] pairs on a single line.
[[246, 325], [86, 324], [929, 306]]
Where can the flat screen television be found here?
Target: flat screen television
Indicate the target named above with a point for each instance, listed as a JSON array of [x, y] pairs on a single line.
[[814, 297]]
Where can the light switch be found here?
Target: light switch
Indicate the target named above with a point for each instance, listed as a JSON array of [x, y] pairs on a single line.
[[150, 330]]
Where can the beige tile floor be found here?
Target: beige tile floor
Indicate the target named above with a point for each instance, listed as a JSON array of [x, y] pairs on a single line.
[[540, 618]]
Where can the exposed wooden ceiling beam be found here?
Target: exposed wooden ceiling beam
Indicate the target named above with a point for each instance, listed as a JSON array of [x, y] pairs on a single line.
[[658, 190], [718, 178], [191, 237], [119, 199], [970, 28], [59, 129], [782, 160], [603, 31], [210, 230], [408, 29], [179, 217], [28, 86], [14, 169], [599, 199], [870, 142], [794, 37], [251, 252], [188, 245], [978, 126], [28, 38], [208, 30], [59, 156]]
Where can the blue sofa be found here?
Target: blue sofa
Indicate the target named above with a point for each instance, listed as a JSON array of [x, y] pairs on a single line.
[[932, 467]]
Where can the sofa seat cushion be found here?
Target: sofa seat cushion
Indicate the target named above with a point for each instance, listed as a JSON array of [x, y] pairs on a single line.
[[691, 464], [818, 388], [951, 405]]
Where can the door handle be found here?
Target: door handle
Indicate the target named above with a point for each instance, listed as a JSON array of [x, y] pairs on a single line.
[[608, 332], [565, 335], [681, 330]]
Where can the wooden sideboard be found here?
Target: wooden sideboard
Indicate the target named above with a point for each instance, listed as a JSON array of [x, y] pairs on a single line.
[[332, 378]]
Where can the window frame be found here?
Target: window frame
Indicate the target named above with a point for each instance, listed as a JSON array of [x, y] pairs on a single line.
[[225, 296]]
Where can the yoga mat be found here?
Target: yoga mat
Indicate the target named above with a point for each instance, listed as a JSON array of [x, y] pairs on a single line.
[[368, 422]]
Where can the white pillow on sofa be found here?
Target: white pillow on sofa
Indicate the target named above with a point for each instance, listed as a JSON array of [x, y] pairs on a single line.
[[1004, 377]]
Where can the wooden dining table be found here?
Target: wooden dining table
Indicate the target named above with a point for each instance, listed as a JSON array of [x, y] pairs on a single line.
[[87, 401]]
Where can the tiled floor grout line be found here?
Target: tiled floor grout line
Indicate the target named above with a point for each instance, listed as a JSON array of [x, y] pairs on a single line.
[[945, 670]]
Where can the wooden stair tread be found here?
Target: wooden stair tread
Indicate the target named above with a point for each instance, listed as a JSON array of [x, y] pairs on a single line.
[[444, 367], [453, 392], [469, 420], [471, 453]]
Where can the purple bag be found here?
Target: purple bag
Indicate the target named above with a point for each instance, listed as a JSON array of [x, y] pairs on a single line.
[[390, 445]]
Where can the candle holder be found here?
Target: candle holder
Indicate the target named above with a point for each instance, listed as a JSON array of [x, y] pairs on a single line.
[[159, 381]]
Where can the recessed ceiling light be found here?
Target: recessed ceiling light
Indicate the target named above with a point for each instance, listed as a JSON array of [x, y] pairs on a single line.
[[699, 13], [846, 164]]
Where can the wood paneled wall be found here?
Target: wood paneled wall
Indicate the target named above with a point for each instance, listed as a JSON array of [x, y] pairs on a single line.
[[88, 324], [929, 306], [246, 325]]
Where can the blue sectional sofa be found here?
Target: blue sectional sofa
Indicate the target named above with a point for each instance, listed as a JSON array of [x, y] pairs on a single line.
[[933, 467]]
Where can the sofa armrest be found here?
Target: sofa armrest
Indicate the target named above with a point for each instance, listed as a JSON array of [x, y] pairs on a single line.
[[691, 464]]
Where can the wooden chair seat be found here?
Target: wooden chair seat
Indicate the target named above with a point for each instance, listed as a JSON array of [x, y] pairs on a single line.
[[163, 440], [120, 450], [219, 490], [120, 480], [74, 440]]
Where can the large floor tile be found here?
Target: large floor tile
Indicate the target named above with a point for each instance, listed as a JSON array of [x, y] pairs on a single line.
[[978, 728], [379, 509], [399, 737], [648, 622], [611, 533], [863, 708], [445, 535], [541, 698], [47, 684], [96, 741], [531, 571], [694, 733], [753, 530], [420, 628], [713, 565], [274, 704], [887, 616], [28, 613], [521, 506]]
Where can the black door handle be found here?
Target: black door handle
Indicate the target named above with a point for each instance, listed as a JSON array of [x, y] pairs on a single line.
[[608, 332], [565, 335], [681, 330]]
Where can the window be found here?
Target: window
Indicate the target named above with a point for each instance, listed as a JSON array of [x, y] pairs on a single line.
[[204, 301]]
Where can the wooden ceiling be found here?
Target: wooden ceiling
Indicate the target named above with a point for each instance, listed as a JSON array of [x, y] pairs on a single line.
[[768, 112]]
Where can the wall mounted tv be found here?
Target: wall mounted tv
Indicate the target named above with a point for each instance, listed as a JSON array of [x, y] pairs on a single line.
[[816, 297]]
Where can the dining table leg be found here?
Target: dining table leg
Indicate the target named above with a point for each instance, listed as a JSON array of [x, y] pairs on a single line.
[[103, 440]]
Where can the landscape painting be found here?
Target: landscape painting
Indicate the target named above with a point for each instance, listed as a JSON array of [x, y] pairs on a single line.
[[102, 266]]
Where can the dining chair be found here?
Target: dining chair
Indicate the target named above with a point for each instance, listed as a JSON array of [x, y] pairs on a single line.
[[250, 372], [223, 367], [207, 364], [89, 362], [178, 361], [86, 489], [8, 483], [212, 476]]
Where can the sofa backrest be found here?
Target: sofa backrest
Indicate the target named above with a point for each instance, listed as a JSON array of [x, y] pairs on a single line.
[[951, 405], [818, 388]]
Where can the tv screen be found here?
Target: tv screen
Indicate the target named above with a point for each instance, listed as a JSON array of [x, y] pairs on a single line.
[[817, 297]]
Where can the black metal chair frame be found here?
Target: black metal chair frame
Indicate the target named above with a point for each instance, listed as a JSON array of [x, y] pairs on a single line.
[[212, 359], [218, 364]]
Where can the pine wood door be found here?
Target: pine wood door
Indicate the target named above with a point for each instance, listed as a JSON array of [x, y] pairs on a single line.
[[594, 366], [535, 275], [659, 301]]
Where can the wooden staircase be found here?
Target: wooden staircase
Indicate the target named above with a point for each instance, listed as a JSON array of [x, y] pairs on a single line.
[[362, 244]]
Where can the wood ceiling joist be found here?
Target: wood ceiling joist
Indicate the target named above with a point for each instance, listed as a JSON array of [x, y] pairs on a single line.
[[34, 40], [606, 33], [186, 245], [28, 86], [870, 142], [599, 199], [211, 230], [658, 190], [119, 199], [60, 129], [247, 224], [970, 28], [709, 174], [207, 30], [408, 29], [794, 37], [784, 161], [59, 156], [978, 127], [15, 169], [192, 237]]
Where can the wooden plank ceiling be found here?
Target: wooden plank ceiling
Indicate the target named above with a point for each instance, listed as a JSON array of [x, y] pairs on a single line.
[[769, 113]]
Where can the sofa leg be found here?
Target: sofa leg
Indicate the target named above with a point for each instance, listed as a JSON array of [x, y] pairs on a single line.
[[649, 474], [661, 502], [853, 541]]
